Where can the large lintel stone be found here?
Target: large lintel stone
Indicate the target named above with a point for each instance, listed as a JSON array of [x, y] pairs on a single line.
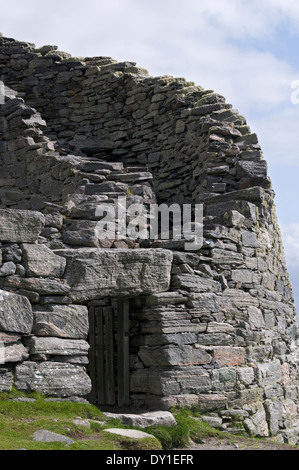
[[94, 273]]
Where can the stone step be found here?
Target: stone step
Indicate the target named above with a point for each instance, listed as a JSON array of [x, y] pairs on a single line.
[[130, 177], [94, 165], [104, 188]]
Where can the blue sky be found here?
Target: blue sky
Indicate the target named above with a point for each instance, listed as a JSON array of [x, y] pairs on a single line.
[[247, 51]]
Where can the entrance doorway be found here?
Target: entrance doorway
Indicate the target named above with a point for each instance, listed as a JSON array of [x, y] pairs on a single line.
[[109, 354]]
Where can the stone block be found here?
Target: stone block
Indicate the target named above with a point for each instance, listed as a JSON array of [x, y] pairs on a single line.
[[56, 346], [64, 321], [206, 301], [18, 226], [224, 379], [195, 283], [40, 261], [174, 356], [270, 373], [229, 356], [39, 285], [212, 402], [52, 379], [15, 313], [257, 424], [92, 273], [246, 375]]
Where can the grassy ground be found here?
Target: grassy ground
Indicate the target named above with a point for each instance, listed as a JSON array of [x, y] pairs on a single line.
[[19, 420]]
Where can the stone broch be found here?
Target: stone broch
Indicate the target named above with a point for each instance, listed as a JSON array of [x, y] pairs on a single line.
[[215, 328]]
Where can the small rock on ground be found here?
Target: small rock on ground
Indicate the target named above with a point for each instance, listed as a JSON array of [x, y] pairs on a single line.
[[47, 436], [132, 433]]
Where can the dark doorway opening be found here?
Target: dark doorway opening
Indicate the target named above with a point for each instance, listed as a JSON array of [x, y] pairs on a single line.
[[109, 354]]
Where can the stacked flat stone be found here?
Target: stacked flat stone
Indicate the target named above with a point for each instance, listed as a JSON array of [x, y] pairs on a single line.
[[215, 328]]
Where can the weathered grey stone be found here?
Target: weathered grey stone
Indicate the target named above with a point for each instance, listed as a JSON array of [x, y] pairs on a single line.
[[246, 375], [39, 260], [42, 286], [20, 226], [64, 321], [195, 283], [224, 379], [270, 373], [249, 239], [6, 379], [205, 301], [85, 423], [56, 346], [14, 352], [53, 379], [15, 313], [236, 298], [256, 319], [226, 257], [92, 273], [171, 355], [8, 269], [257, 423], [213, 421], [43, 435], [144, 420], [156, 381], [131, 433], [229, 311]]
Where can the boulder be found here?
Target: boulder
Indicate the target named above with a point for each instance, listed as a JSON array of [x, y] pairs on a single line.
[[43, 435]]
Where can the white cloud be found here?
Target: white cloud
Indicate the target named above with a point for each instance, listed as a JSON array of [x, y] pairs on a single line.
[[290, 236]]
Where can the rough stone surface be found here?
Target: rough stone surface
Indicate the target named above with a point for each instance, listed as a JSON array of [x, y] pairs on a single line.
[[43, 435], [15, 313], [117, 273], [52, 378], [64, 321], [131, 433], [143, 420], [20, 226], [56, 346], [41, 261]]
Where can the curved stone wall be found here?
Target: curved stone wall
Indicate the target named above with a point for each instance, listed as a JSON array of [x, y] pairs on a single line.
[[222, 333]]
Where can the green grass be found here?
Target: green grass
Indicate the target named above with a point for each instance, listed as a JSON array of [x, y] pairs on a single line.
[[187, 428], [19, 421]]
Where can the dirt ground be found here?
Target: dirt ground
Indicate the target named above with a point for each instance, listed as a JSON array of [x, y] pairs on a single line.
[[239, 444]]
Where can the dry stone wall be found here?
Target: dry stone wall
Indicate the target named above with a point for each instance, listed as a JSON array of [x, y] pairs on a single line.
[[215, 328]]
